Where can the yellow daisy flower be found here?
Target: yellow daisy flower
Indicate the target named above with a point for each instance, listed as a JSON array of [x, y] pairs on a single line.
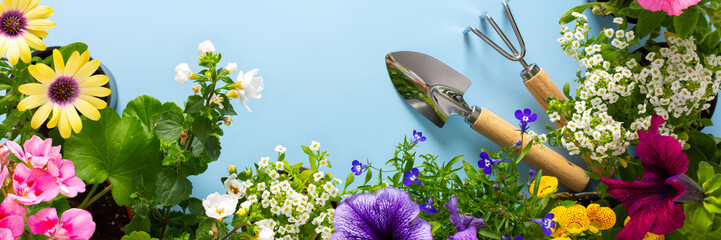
[[649, 235], [63, 90], [547, 186], [574, 219], [601, 218], [22, 25]]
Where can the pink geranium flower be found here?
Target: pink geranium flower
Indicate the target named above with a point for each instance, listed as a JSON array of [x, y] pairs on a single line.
[[672, 7], [64, 173], [33, 186], [35, 151], [75, 224], [650, 200], [11, 219]]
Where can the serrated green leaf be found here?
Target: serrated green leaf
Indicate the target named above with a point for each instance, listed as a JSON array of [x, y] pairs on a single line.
[[194, 104], [147, 109], [705, 172], [137, 228], [648, 21], [172, 188], [212, 147], [138, 234], [118, 150], [170, 122], [202, 128]]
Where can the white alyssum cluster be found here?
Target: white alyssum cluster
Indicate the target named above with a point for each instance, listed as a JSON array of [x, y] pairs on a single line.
[[674, 85]]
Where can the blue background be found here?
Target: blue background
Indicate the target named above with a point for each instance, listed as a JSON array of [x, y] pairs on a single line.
[[323, 66]]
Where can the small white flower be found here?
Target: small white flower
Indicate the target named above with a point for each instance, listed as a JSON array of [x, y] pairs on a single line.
[[249, 86], [231, 67], [265, 194], [554, 117], [205, 47], [280, 149], [315, 146], [608, 32], [266, 234], [182, 73], [318, 176], [630, 35], [324, 163], [618, 20], [264, 162], [279, 166], [219, 206], [260, 187], [234, 187]]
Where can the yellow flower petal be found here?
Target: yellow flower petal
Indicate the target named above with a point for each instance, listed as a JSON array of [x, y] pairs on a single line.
[[13, 50], [39, 12], [40, 24], [87, 109], [58, 63], [56, 116], [601, 218], [64, 123], [42, 73], [26, 6], [33, 89], [73, 64], [39, 33], [3, 45], [9, 4], [73, 117], [41, 114], [34, 41], [96, 102], [574, 219], [94, 81], [31, 102], [95, 91], [547, 186], [86, 70], [84, 58], [24, 49]]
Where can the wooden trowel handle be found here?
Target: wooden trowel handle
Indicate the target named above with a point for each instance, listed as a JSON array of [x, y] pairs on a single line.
[[541, 86], [504, 134]]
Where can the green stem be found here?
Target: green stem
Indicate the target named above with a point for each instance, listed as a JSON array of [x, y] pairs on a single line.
[[165, 222], [96, 197], [233, 231], [90, 194]]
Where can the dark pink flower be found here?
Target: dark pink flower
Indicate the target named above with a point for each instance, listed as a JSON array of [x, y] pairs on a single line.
[[33, 186], [75, 224], [12, 221], [35, 151], [650, 200], [672, 7]]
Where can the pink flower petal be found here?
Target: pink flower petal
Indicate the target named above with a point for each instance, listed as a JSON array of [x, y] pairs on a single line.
[[77, 223], [9, 207], [38, 147], [15, 224], [43, 222], [16, 150], [672, 7], [6, 234]]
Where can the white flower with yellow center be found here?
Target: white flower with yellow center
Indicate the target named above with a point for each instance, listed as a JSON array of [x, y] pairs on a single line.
[[219, 206], [234, 187], [22, 25], [248, 86], [65, 90], [315, 146]]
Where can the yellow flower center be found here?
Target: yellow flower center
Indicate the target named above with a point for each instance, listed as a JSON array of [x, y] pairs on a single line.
[[235, 190], [220, 211]]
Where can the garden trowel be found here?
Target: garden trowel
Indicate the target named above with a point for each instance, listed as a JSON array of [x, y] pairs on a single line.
[[436, 90]]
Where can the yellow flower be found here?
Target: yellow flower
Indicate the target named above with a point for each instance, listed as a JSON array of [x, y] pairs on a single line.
[[22, 25], [601, 218], [547, 186], [64, 90], [573, 219], [558, 231], [649, 235], [561, 238]]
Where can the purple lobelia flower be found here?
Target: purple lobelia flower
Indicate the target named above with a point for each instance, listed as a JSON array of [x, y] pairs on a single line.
[[418, 137], [466, 225], [525, 117], [487, 163], [650, 199], [517, 144], [496, 187], [428, 207], [358, 167], [531, 175], [510, 238], [389, 214], [547, 224], [412, 177]]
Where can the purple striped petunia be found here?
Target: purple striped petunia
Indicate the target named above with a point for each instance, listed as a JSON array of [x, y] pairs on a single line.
[[389, 214]]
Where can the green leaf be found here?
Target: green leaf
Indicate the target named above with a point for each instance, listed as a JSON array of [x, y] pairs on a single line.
[[712, 204], [705, 172], [115, 149], [172, 188], [703, 142], [146, 109], [369, 175], [136, 226], [648, 21], [568, 17], [701, 219], [194, 104], [212, 147], [138, 236], [695, 157], [227, 108], [348, 180], [67, 50], [686, 22], [489, 234], [202, 128], [567, 91], [195, 206], [712, 184], [170, 123]]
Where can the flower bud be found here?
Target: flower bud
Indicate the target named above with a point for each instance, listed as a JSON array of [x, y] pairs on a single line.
[[196, 88], [232, 169], [227, 120], [244, 208], [232, 94], [208, 74], [231, 68], [183, 73], [205, 47]]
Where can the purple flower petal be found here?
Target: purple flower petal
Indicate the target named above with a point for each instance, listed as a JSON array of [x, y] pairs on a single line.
[[468, 234], [519, 115], [661, 157], [526, 112], [488, 170], [532, 118], [462, 222], [386, 215]]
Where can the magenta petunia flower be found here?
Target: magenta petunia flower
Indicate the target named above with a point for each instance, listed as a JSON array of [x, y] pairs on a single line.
[[650, 200], [672, 7], [388, 214]]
